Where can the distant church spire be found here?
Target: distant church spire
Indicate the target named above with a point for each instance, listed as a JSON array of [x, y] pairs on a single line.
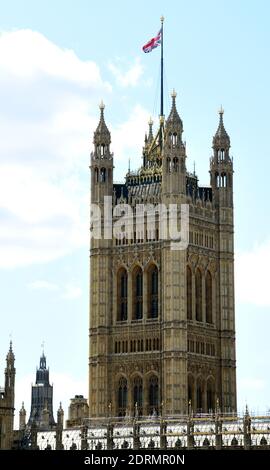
[[42, 398]]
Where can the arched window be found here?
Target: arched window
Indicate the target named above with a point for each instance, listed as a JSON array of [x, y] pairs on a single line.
[[191, 390], [138, 395], [189, 293], [210, 395], [153, 395], [122, 396], [153, 292], [102, 175], [198, 295], [208, 298], [199, 397], [122, 295], [137, 294]]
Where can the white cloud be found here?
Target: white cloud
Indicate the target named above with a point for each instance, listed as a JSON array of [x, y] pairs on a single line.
[[47, 96], [43, 285], [72, 292], [48, 114], [28, 54], [252, 277], [252, 384], [68, 291], [128, 77], [128, 137]]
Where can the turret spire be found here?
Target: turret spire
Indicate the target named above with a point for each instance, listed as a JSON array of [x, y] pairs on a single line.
[[174, 119], [221, 139], [150, 134], [102, 136]]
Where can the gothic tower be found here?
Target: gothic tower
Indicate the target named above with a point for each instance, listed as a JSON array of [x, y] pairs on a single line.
[[100, 271], [161, 314], [221, 171], [42, 399], [7, 402]]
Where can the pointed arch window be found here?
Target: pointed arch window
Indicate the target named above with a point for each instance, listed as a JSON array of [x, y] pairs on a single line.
[[122, 396], [208, 298], [138, 294], [199, 398], [210, 396], [153, 292], [189, 293], [103, 175], [198, 295], [122, 295], [153, 395], [138, 395]]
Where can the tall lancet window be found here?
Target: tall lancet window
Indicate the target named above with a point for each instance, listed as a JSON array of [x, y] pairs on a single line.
[[122, 396], [138, 394], [153, 395], [122, 295], [208, 298], [198, 294], [137, 294], [153, 292], [189, 293]]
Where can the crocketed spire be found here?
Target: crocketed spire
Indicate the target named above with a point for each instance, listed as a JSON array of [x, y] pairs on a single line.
[[102, 134], [221, 139], [174, 119], [150, 135], [10, 355]]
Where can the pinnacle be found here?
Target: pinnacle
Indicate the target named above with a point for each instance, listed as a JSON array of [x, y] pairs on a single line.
[[221, 138]]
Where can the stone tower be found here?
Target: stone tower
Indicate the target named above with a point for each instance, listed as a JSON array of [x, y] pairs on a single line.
[[7, 395], [22, 418], [161, 318], [42, 399]]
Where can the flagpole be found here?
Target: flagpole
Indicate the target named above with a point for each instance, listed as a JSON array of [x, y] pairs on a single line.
[[161, 80]]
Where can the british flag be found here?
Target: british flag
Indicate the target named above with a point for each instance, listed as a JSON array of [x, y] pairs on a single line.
[[153, 43]]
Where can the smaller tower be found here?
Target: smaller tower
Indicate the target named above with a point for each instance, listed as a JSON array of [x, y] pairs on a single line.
[[174, 155], [7, 402], [59, 427], [10, 375], [221, 173], [22, 418], [60, 416], [101, 161], [221, 166]]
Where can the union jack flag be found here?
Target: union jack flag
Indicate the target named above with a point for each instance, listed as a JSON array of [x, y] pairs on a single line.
[[153, 43]]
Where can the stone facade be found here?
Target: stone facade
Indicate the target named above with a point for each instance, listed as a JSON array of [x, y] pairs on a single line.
[[78, 411], [162, 321], [7, 403]]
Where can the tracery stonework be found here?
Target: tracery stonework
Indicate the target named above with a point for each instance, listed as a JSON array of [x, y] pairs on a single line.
[[162, 322]]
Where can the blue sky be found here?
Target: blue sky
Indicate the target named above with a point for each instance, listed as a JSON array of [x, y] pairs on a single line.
[[58, 59]]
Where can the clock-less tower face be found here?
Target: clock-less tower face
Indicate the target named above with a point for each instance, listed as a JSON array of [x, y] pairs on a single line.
[[162, 320]]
